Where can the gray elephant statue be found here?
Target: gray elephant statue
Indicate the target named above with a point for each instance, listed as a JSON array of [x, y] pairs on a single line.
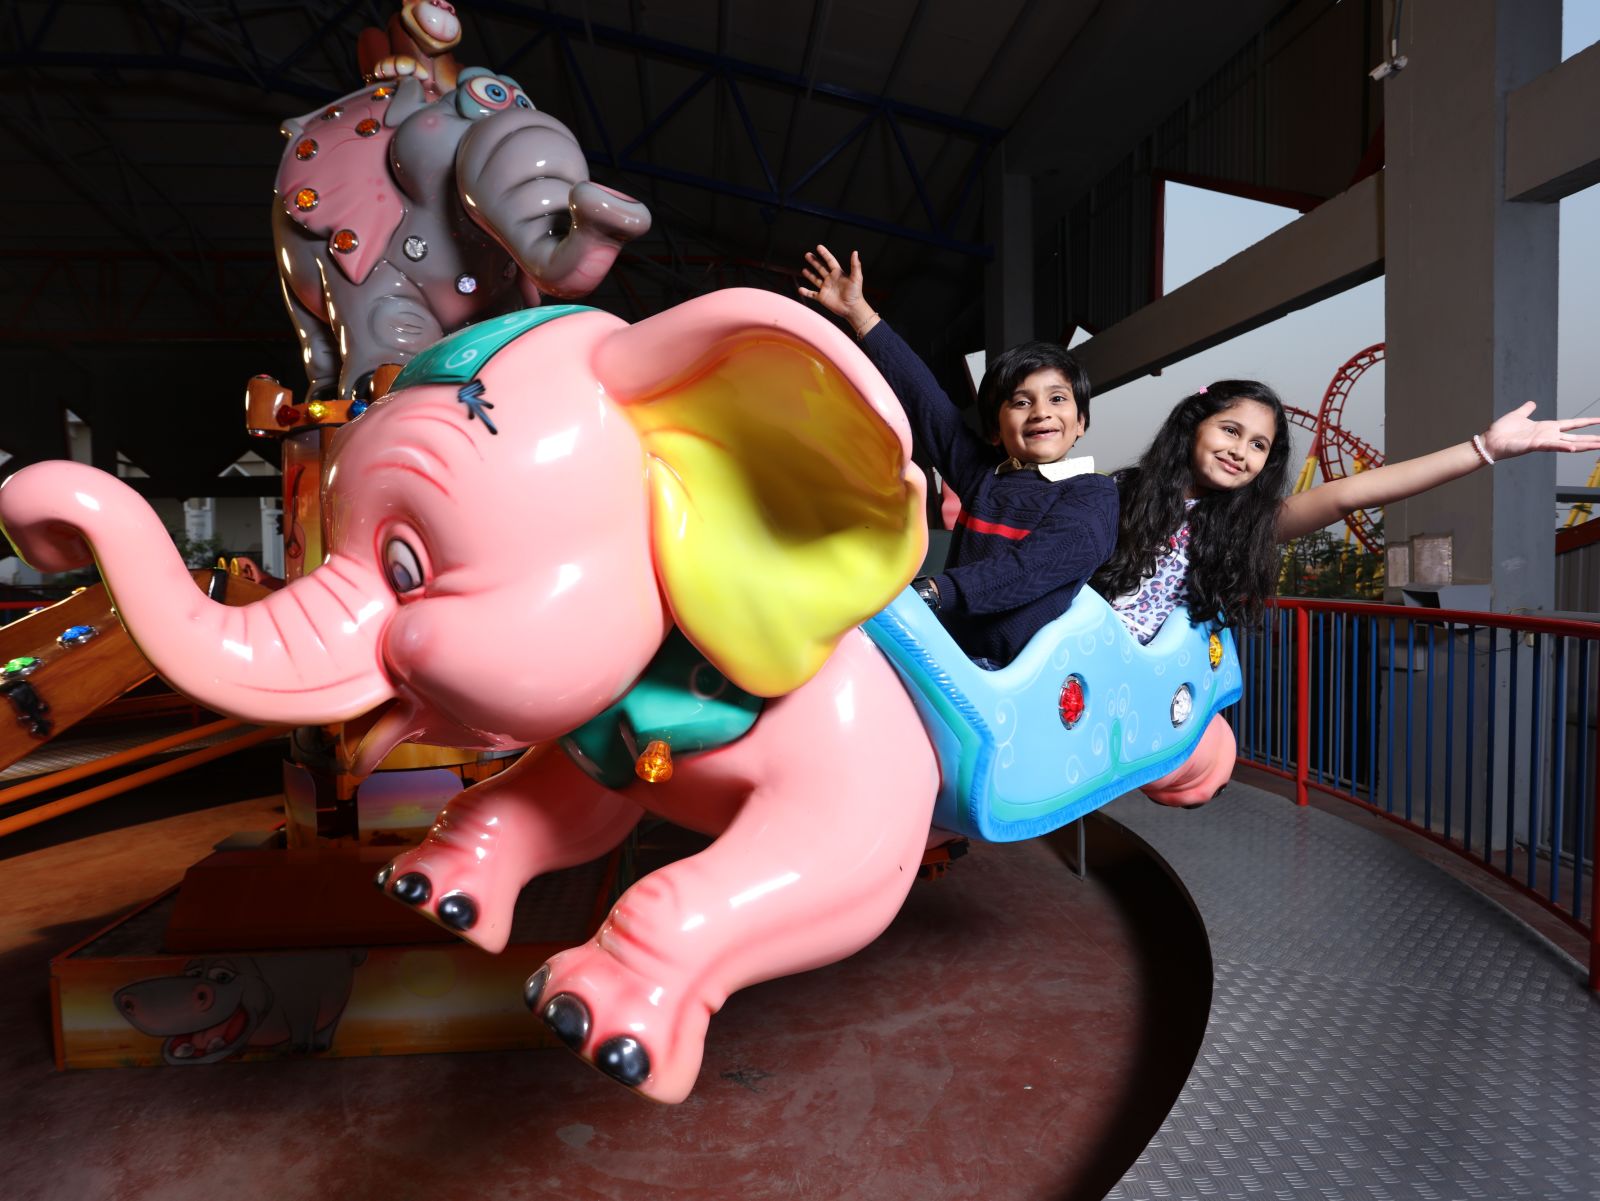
[[399, 219]]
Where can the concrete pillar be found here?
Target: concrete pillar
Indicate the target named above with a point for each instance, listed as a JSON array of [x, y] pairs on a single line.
[[1008, 279], [1471, 286]]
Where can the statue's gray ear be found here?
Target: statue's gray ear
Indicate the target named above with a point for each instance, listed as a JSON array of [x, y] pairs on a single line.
[[409, 97]]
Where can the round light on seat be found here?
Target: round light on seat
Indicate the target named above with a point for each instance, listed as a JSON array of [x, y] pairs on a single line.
[[1073, 702], [1182, 705]]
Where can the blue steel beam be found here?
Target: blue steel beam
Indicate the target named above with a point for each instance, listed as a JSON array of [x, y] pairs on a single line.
[[604, 35], [276, 76]]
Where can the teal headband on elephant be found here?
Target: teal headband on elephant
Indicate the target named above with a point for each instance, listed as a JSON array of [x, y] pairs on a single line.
[[458, 358]]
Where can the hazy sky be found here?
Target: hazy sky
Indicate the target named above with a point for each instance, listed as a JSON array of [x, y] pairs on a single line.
[[1299, 354]]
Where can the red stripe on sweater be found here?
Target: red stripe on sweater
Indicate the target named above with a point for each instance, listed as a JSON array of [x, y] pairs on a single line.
[[979, 525]]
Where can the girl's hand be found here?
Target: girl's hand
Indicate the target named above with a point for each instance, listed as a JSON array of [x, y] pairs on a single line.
[[1514, 434], [841, 294]]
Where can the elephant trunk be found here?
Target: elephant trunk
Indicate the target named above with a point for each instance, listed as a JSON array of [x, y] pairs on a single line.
[[309, 653], [518, 171]]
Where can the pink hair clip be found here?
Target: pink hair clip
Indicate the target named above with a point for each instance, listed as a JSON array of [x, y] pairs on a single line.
[[1200, 391]]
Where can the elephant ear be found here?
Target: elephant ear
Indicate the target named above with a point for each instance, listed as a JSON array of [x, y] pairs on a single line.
[[784, 504]]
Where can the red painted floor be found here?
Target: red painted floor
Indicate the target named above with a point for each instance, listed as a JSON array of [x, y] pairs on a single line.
[[1017, 1033]]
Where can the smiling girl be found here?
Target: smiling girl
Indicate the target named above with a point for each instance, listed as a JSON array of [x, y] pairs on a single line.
[[1203, 512]]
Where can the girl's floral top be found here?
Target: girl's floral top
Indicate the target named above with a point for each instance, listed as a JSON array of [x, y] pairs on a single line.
[[1146, 609]]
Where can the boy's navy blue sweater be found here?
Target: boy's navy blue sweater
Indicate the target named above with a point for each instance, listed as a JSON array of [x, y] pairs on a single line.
[[1023, 545]]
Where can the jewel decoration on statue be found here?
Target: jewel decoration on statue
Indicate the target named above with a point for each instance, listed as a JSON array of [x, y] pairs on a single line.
[[383, 93], [466, 285], [1214, 652], [357, 407], [1182, 705], [76, 635], [20, 666], [471, 395], [416, 248], [29, 705], [654, 765], [286, 415], [1072, 701], [317, 410], [343, 186], [306, 149]]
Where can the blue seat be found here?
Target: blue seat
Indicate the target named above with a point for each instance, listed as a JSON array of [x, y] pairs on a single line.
[[1010, 766]]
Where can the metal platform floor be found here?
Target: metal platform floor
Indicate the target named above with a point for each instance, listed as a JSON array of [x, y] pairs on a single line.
[[1378, 1029], [75, 750]]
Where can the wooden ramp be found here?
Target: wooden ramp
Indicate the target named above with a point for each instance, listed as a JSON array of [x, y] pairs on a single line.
[[70, 679]]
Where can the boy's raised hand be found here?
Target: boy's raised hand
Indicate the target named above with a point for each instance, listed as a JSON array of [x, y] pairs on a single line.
[[1517, 434], [839, 293]]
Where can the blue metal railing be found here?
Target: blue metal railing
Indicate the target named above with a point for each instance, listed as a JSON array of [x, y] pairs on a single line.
[[1476, 730]]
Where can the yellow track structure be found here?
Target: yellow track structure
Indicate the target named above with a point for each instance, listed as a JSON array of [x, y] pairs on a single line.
[[1580, 512]]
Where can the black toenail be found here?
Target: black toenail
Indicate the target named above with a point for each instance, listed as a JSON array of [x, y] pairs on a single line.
[[624, 1060], [458, 911], [381, 880], [534, 988], [569, 1018], [413, 888]]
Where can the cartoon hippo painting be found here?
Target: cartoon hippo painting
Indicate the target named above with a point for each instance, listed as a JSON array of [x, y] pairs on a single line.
[[224, 1005]]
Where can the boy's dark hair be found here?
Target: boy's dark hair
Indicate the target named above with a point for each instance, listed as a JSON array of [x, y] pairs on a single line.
[[1016, 365], [1233, 544]]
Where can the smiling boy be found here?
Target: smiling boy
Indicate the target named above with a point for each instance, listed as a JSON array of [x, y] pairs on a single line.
[[1034, 524]]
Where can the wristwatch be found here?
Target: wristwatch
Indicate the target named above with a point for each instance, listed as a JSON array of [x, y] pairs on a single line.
[[927, 590]]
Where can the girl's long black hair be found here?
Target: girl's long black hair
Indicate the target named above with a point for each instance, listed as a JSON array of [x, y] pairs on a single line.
[[1233, 548]]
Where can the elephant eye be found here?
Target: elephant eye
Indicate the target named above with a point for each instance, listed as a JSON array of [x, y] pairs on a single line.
[[489, 92], [219, 975], [402, 567], [523, 101]]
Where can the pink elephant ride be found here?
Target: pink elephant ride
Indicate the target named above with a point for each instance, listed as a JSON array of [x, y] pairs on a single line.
[[671, 559]]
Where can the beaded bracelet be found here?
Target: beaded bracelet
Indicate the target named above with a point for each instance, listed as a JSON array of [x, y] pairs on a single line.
[[1482, 448]]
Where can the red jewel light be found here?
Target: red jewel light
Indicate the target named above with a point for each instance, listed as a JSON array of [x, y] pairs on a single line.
[[286, 415], [306, 148], [1072, 701], [367, 127]]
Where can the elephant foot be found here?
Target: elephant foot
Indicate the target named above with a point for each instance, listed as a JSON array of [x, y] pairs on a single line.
[[469, 902], [1204, 775], [603, 1011]]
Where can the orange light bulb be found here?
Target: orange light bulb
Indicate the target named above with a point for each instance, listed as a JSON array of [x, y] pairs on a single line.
[[654, 766]]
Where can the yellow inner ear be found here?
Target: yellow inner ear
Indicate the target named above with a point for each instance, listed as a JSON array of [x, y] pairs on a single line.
[[784, 510]]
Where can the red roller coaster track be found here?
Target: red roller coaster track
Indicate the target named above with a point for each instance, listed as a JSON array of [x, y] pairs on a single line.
[[1338, 452]]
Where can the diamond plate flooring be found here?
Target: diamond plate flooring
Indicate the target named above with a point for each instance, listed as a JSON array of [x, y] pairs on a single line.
[[1378, 1029], [70, 752]]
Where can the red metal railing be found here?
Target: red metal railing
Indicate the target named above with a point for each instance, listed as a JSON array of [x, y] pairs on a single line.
[[1475, 730]]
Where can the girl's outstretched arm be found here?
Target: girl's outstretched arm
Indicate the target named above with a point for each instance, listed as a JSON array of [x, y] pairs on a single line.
[[1514, 434]]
